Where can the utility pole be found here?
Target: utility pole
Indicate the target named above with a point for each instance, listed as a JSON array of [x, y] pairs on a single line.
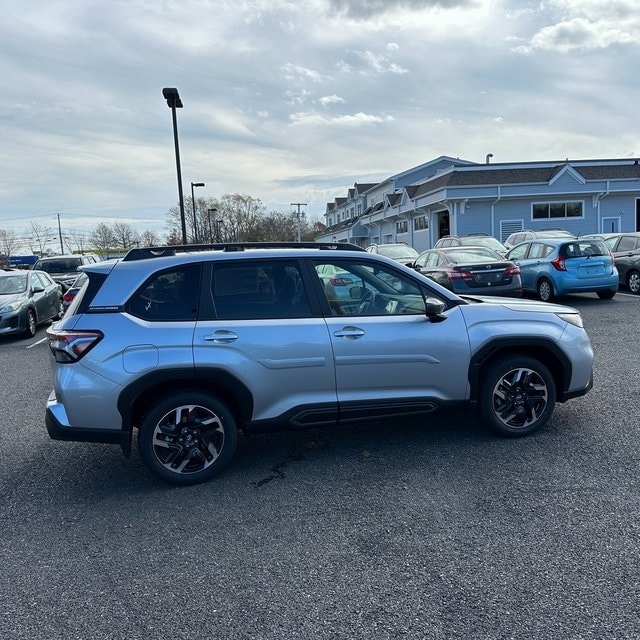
[[299, 215], [60, 236]]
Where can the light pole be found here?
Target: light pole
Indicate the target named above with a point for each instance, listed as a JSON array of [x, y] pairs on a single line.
[[219, 224], [172, 97], [298, 214], [193, 204], [209, 212]]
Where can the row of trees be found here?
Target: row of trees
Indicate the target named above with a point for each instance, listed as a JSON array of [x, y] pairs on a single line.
[[232, 218]]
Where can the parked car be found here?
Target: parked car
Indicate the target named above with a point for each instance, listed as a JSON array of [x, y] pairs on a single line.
[[400, 252], [472, 240], [625, 248], [72, 291], [471, 270], [541, 234], [189, 345], [65, 269], [27, 299], [555, 267]]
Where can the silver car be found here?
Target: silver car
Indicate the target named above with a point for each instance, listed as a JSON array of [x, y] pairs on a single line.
[[27, 299], [189, 347]]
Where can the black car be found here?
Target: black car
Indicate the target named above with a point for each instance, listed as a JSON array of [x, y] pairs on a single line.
[[471, 270], [625, 248]]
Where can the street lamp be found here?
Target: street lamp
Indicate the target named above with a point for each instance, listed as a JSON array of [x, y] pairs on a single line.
[[209, 212], [172, 97], [193, 204]]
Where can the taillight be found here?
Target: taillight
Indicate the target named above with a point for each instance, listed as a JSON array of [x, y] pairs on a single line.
[[459, 275], [68, 297], [512, 271], [70, 346], [559, 264], [340, 282]]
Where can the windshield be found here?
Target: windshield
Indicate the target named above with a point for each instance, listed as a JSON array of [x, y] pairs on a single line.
[[397, 251], [64, 265], [585, 249], [13, 284]]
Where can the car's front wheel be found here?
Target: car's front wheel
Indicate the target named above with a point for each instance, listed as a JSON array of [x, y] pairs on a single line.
[[187, 438], [545, 290], [633, 282], [517, 396], [31, 324]]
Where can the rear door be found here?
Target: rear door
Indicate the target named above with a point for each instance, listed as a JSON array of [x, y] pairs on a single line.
[[256, 322]]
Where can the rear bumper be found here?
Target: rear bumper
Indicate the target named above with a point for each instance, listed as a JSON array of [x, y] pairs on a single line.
[[59, 431]]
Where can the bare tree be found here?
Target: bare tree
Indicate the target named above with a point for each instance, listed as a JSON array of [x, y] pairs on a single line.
[[39, 236], [149, 238], [8, 244], [76, 241], [102, 237], [125, 235]]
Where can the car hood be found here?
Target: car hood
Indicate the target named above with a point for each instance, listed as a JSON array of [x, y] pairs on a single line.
[[6, 298], [521, 304]]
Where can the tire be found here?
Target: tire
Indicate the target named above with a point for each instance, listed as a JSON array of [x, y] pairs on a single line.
[[606, 295], [545, 290], [193, 451], [633, 282], [31, 324], [517, 396]]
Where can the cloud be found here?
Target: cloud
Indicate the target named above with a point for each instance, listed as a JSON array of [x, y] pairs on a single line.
[[380, 63], [586, 25], [353, 120], [365, 9], [326, 101]]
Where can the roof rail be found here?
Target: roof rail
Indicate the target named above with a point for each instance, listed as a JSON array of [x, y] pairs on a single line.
[[143, 253]]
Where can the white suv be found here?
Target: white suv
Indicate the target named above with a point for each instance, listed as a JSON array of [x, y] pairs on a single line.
[[189, 345]]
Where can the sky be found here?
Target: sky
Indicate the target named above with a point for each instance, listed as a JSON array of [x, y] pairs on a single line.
[[295, 100]]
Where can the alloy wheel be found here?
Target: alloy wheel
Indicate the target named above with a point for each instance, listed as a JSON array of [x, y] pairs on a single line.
[[188, 439], [519, 398], [634, 282]]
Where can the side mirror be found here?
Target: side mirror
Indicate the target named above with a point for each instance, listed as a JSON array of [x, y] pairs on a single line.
[[37, 289], [434, 308], [356, 293]]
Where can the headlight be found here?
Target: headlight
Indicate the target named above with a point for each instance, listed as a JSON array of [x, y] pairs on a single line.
[[572, 318], [11, 306]]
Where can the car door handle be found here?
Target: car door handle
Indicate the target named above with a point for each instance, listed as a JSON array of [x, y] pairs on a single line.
[[222, 337], [351, 333]]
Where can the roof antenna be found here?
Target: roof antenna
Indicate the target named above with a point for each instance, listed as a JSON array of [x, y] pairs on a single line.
[[488, 158]]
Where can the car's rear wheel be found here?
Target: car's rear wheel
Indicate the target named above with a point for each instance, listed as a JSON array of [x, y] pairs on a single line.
[[187, 438], [31, 324], [633, 282], [545, 290], [517, 396], [606, 295]]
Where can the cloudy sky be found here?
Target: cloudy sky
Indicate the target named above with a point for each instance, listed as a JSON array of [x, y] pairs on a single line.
[[295, 100]]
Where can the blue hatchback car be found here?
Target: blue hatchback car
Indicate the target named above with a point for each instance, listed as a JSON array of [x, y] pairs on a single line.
[[556, 267]]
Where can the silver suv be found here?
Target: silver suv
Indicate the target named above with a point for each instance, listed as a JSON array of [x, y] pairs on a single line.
[[188, 345]]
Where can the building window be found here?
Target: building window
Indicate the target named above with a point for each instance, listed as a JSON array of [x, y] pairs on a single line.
[[546, 210], [420, 223], [402, 226], [359, 209]]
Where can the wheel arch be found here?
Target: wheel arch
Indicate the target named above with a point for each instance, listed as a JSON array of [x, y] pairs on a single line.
[[136, 399], [544, 350]]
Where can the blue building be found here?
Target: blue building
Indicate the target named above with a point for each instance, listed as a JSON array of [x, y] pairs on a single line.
[[450, 196]]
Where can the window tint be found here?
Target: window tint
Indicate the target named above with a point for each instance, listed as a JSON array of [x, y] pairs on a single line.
[[170, 295], [539, 250], [251, 290], [518, 252], [371, 290], [627, 243]]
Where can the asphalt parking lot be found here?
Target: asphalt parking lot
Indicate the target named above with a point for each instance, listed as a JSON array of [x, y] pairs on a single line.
[[424, 528]]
